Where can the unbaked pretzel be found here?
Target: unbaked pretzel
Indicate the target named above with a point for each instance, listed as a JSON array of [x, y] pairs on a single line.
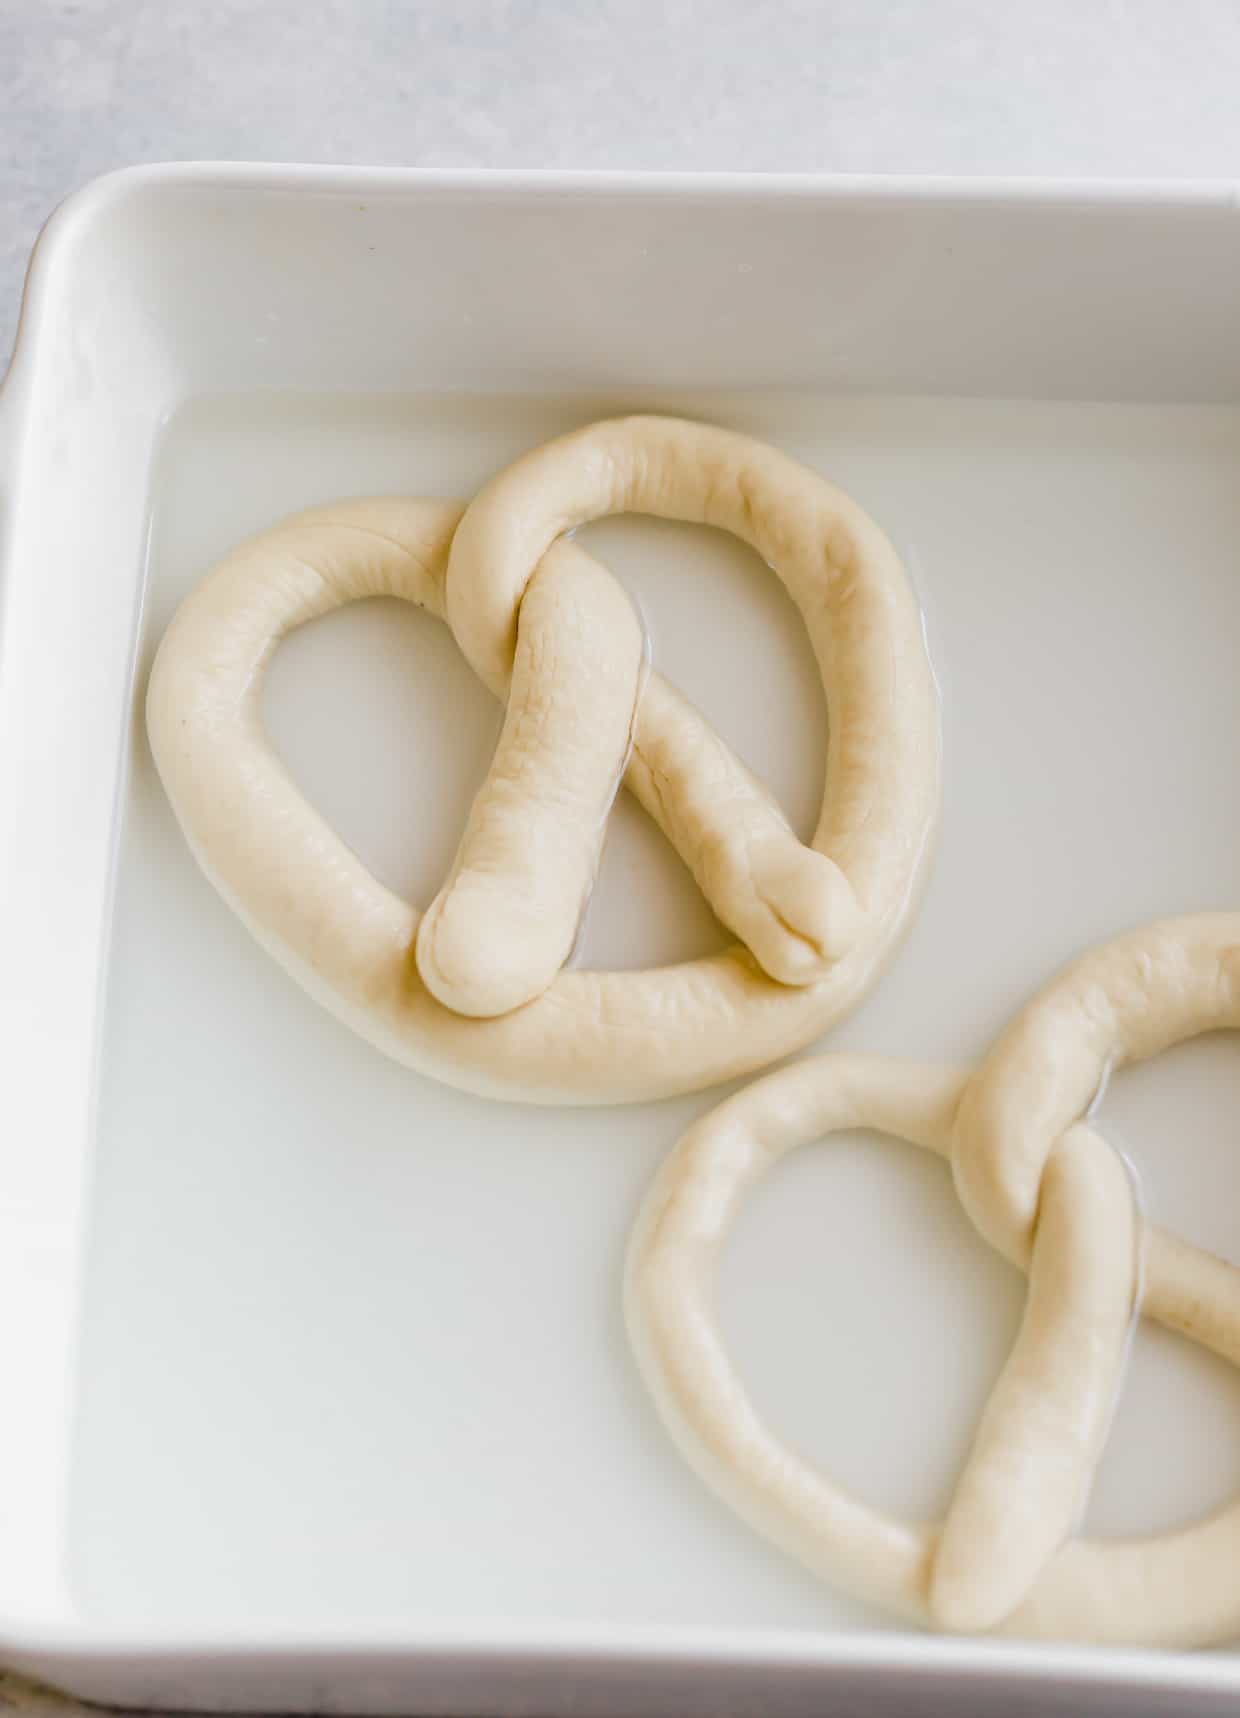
[[507, 914], [1121, 1002], [1002, 1558], [798, 909]]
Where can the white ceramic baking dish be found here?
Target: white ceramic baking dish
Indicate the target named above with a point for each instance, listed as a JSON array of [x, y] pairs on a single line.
[[315, 1387]]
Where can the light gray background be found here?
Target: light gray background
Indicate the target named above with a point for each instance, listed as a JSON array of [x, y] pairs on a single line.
[[1075, 87], [1129, 88]]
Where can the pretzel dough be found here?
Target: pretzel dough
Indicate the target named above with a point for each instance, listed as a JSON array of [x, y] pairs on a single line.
[[1121, 1002], [1172, 1589], [533, 835], [798, 909]]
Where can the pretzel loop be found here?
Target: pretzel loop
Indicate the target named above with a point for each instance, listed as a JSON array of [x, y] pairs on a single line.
[[798, 909], [473, 992], [1123, 1001], [1003, 1558]]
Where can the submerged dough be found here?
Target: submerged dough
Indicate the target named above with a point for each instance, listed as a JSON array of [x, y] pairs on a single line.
[[1123, 1001], [827, 918], [1002, 1557], [798, 909]]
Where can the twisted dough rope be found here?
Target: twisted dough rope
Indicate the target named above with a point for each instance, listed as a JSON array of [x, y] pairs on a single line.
[[797, 909], [1000, 1557], [1122, 1002], [571, 670]]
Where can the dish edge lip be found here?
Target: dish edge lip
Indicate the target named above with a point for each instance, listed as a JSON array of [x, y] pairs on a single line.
[[600, 1646], [98, 194], [678, 1653]]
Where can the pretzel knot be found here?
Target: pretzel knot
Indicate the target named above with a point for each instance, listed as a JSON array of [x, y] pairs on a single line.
[[473, 991], [1048, 1191]]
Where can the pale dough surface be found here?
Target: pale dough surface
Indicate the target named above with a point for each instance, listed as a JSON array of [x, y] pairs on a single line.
[[1003, 1557], [549, 635], [1122, 1001], [798, 909]]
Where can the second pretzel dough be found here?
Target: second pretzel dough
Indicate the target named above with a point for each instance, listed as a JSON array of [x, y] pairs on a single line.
[[1121, 1002], [1180, 1588]]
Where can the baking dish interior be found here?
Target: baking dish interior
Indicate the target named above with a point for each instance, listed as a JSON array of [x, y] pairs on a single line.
[[323, 1345]]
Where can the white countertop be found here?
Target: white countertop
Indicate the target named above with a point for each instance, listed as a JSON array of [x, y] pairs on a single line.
[[1066, 87]]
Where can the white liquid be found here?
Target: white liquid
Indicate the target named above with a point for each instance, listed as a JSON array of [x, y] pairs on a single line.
[[353, 1348]]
